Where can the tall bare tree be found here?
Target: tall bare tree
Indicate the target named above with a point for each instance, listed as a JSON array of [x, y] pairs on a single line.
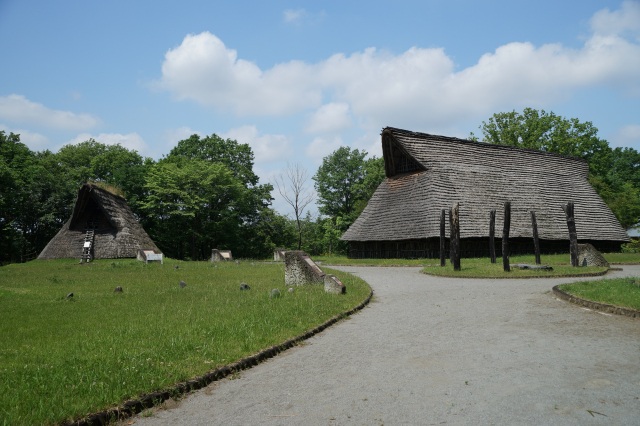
[[292, 186]]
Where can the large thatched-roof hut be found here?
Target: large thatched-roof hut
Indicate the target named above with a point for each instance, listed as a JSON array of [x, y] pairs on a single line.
[[427, 173], [105, 221]]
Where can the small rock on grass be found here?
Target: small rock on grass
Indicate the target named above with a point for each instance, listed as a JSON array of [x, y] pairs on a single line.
[[275, 293]]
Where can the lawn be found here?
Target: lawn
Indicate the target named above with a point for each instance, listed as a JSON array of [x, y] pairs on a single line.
[[64, 357], [624, 292], [556, 259], [483, 268]]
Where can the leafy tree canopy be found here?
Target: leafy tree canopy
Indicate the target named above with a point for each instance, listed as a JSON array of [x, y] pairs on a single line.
[[339, 181], [236, 156], [546, 131]]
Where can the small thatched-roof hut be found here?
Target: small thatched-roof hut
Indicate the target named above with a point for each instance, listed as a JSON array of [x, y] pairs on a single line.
[[427, 173], [106, 221]]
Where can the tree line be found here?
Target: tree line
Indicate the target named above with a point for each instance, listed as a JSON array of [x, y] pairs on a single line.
[[204, 194]]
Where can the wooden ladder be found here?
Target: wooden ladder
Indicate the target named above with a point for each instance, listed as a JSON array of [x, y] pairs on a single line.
[[89, 237]]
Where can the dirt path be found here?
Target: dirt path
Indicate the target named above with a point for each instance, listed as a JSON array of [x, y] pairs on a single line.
[[440, 351]]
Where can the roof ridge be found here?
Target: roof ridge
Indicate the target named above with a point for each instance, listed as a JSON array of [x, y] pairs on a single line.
[[422, 135]]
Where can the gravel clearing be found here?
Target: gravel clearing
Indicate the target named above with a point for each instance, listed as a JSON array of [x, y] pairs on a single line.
[[431, 351]]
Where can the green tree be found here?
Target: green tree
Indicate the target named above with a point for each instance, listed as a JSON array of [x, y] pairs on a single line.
[[28, 206], [339, 182], [236, 156], [373, 177], [345, 182], [549, 132], [191, 206], [111, 164], [229, 220]]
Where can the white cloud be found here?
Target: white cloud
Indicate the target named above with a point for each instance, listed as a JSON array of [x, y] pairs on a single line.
[[266, 148], [35, 141], [204, 70], [626, 19], [418, 88], [321, 147], [329, 118], [18, 109], [131, 141], [292, 16]]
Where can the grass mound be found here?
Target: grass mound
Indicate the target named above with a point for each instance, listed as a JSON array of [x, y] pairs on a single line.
[[483, 268], [624, 292], [65, 356]]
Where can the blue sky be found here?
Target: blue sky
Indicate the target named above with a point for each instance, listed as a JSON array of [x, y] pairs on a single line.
[[298, 79]]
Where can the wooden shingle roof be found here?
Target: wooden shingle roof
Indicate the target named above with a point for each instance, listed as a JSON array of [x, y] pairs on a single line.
[[118, 234], [427, 173]]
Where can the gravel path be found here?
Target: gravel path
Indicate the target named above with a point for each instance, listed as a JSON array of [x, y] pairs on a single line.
[[440, 351]]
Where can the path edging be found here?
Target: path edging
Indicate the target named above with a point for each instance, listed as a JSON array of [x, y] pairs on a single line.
[[596, 306], [150, 400]]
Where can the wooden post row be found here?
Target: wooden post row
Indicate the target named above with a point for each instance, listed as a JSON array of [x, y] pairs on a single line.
[[443, 262], [573, 236], [492, 235], [536, 240], [505, 237], [455, 237]]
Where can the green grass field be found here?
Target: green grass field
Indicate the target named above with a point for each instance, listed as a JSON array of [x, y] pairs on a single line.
[[483, 268], [623, 292], [64, 358]]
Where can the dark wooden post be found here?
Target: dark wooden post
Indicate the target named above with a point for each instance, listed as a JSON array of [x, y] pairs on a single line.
[[536, 240], [455, 237], [451, 236], [443, 262], [492, 235], [573, 236], [505, 237]]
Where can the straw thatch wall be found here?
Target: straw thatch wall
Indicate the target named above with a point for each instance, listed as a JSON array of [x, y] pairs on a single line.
[[427, 173], [117, 232]]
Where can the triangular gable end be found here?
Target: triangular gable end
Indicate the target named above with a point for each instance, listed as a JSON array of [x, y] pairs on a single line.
[[89, 208], [102, 226], [396, 159]]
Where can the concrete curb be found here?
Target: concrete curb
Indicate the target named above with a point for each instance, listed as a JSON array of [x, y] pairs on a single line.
[[591, 274], [135, 406], [603, 307]]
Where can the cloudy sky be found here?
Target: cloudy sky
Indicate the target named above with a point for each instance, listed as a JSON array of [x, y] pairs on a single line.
[[298, 79]]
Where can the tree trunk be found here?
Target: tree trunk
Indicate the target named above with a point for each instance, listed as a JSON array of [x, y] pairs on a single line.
[[443, 262], [299, 232], [492, 235], [505, 236], [455, 237], [536, 240], [573, 236]]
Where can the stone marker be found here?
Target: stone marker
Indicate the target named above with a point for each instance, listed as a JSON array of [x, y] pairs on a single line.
[[588, 255], [221, 255], [275, 293], [183, 284], [333, 285], [278, 254], [299, 269], [245, 286], [118, 290]]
